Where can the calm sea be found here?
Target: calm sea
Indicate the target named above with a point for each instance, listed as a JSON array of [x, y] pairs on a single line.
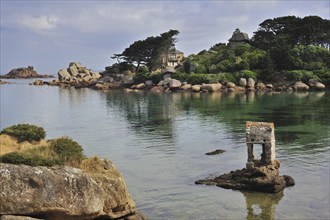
[[159, 141]]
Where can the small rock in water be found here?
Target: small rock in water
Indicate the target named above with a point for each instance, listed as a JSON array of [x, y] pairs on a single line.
[[218, 151]]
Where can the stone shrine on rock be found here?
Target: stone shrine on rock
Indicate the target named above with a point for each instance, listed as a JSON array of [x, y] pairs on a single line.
[[261, 133], [261, 174]]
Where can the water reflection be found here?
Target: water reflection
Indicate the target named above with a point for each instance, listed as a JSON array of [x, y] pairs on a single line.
[[150, 115], [300, 118], [293, 113], [261, 205]]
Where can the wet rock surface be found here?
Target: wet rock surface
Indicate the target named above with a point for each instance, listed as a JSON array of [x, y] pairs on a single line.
[[260, 178]]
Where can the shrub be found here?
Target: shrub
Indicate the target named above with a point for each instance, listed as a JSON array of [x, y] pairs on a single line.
[[67, 149], [300, 75], [141, 77], [216, 78], [246, 74], [323, 75], [210, 78], [28, 159], [25, 132], [61, 151], [197, 79], [155, 77], [180, 76]]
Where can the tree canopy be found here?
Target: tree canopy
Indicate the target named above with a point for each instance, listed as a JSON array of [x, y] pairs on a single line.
[[148, 51], [280, 35]]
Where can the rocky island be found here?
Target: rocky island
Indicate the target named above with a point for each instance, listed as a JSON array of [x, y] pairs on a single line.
[[24, 73], [54, 180]]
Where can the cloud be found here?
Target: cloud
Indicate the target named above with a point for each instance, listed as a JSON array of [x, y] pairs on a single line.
[[39, 23]]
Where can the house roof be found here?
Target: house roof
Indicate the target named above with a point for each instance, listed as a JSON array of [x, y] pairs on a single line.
[[176, 51]]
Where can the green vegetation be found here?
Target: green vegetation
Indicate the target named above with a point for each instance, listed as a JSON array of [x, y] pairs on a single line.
[[289, 47], [25, 132], [31, 158], [61, 151], [67, 150]]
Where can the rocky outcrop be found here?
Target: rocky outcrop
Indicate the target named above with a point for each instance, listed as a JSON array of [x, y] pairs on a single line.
[[157, 89], [196, 88], [242, 82], [300, 86], [4, 82], [78, 75], [64, 192], [260, 178], [250, 84], [24, 72], [315, 84], [174, 84], [186, 86], [212, 87], [260, 86], [16, 217], [238, 38]]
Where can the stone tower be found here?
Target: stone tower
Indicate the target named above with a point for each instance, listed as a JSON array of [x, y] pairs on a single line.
[[261, 133]]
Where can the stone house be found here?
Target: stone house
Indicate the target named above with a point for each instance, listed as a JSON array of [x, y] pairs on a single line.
[[172, 58]]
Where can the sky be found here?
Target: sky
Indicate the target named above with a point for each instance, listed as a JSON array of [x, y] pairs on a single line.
[[49, 34]]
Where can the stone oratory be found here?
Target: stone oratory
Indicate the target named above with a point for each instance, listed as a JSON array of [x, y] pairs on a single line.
[[260, 133]]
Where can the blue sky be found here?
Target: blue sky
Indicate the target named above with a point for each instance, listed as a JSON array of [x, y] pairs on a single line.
[[49, 34]]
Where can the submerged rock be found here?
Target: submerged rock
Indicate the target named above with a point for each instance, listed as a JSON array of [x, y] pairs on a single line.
[[218, 151]]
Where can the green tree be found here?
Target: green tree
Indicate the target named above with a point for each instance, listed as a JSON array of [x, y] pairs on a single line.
[[280, 35], [148, 51]]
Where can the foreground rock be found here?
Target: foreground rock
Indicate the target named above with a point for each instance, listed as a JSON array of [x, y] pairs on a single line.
[[24, 72], [87, 188], [64, 192]]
